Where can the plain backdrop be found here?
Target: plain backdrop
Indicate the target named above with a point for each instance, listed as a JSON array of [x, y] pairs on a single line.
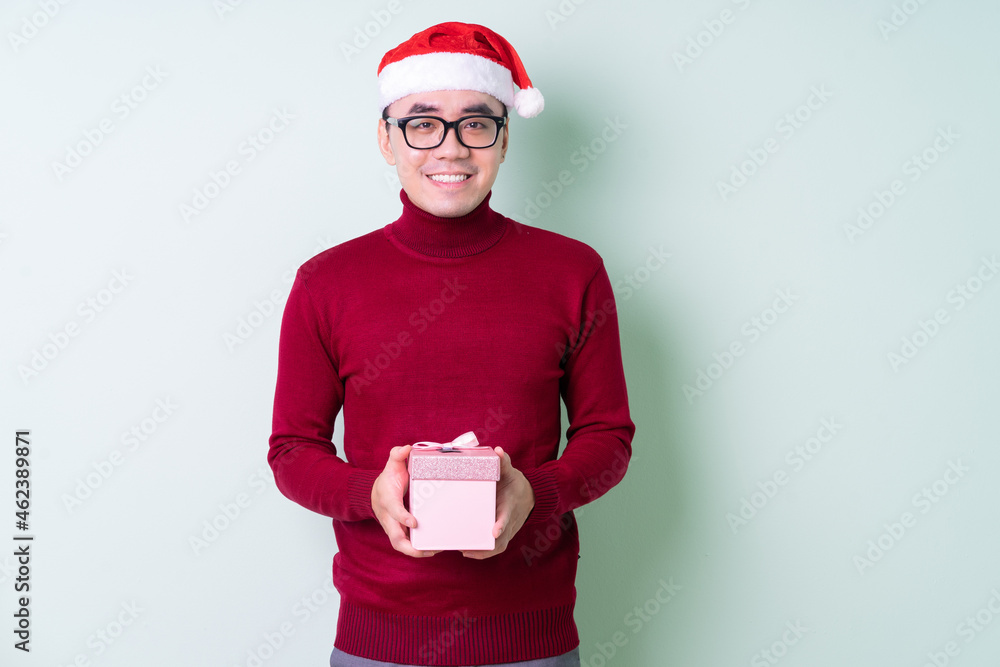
[[812, 371]]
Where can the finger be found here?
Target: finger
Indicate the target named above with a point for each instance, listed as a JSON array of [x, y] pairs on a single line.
[[398, 454], [401, 516], [507, 469], [398, 480], [503, 519], [504, 458], [501, 546], [401, 543], [398, 513]]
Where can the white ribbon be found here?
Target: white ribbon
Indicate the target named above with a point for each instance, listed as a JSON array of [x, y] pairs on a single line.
[[467, 440]]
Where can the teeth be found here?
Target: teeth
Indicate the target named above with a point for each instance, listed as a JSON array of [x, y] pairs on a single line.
[[449, 178]]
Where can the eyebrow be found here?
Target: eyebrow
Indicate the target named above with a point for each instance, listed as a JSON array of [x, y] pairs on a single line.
[[482, 107]]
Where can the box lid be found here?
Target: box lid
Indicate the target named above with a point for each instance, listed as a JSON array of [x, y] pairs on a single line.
[[466, 463]]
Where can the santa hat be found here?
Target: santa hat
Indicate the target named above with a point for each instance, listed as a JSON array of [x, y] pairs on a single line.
[[457, 56]]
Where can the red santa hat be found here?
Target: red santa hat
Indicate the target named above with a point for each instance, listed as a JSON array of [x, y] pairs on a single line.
[[457, 56]]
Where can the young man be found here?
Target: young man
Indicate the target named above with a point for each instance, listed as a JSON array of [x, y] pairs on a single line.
[[450, 319]]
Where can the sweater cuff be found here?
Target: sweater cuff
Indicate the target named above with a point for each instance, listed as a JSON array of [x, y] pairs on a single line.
[[543, 483], [359, 491]]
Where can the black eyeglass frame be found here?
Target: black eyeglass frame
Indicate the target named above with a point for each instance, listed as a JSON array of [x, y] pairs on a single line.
[[401, 123]]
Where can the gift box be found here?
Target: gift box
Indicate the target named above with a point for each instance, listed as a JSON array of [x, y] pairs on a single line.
[[453, 492]]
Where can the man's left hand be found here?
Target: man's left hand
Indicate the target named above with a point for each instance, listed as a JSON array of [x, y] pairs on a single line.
[[515, 500]]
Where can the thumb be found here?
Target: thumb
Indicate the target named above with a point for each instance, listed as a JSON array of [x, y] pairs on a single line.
[[505, 464], [398, 454]]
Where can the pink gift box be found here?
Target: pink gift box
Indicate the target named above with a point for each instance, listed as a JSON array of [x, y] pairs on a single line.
[[453, 496]]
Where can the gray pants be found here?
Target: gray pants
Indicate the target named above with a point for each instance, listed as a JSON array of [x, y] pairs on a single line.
[[572, 659]]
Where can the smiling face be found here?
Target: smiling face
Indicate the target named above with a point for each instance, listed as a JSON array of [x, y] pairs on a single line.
[[450, 180]]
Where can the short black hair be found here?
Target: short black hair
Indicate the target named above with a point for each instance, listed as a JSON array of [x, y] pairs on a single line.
[[478, 109]]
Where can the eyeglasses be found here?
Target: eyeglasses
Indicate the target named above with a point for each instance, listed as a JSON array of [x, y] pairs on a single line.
[[426, 132]]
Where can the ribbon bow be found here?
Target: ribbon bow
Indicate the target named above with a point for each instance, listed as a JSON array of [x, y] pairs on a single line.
[[467, 440]]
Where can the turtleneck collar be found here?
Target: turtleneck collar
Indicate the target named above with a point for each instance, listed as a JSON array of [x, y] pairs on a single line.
[[466, 235]]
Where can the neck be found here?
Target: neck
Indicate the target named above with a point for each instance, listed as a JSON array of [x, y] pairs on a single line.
[[469, 234]]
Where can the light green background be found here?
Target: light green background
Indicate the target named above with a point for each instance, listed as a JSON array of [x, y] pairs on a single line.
[[888, 94]]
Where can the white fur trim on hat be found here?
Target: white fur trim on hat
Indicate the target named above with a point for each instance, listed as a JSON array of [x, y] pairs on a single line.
[[529, 102], [444, 71]]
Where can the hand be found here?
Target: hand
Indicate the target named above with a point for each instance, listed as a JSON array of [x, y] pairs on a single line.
[[387, 503], [515, 500]]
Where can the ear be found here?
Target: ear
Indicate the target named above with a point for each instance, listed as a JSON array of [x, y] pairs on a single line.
[[505, 141], [384, 145]]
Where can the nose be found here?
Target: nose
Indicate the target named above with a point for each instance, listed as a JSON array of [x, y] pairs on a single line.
[[451, 148]]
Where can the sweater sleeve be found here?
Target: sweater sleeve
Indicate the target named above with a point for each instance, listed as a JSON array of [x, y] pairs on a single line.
[[308, 396], [599, 437]]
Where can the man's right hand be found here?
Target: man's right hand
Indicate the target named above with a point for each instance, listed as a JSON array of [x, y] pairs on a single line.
[[387, 503]]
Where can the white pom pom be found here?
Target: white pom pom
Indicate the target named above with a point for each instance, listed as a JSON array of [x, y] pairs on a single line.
[[528, 102]]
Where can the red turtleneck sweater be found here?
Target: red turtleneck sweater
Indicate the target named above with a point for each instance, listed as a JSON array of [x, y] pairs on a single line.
[[422, 330]]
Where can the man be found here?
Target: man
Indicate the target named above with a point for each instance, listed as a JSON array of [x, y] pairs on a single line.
[[450, 319]]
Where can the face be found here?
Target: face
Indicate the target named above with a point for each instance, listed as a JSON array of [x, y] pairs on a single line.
[[415, 167]]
